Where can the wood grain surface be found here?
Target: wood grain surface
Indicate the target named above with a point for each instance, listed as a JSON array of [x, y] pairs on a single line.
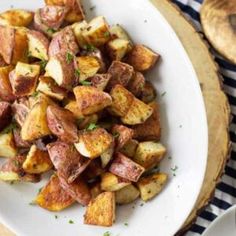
[[216, 103]]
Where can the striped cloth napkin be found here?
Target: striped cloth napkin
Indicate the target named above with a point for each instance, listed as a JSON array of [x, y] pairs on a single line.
[[225, 194]]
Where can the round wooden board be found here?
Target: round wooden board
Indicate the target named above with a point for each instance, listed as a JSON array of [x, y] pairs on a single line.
[[217, 107]]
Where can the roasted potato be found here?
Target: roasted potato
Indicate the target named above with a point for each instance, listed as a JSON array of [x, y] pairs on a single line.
[[16, 17], [87, 120], [137, 84], [142, 58], [87, 67], [148, 93], [127, 194], [38, 45], [78, 28], [7, 145], [12, 170], [73, 107], [111, 182], [107, 155], [5, 114], [53, 197], [95, 190], [151, 185], [64, 43], [129, 149], [35, 125], [138, 113], [48, 86], [123, 134], [18, 140], [93, 143], [117, 31], [126, 168], [37, 161], [24, 78], [151, 128], [78, 190], [93, 171], [2, 62], [6, 92], [62, 123], [97, 32], [121, 100], [20, 108], [100, 81], [91, 100], [121, 73], [118, 48], [61, 70], [67, 161], [149, 154], [101, 210]]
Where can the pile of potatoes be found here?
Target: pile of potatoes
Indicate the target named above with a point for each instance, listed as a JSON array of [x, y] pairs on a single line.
[[74, 101]]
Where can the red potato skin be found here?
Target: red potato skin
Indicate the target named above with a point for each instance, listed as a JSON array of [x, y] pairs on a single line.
[[78, 190], [7, 39], [94, 170], [20, 143], [5, 114], [137, 84], [20, 108], [126, 168], [62, 123], [53, 16], [40, 37], [63, 42], [68, 162], [2, 62]]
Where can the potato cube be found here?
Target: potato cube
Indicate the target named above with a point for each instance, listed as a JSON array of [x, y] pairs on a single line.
[[93, 143], [6, 93], [107, 155], [127, 194], [121, 73], [5, 114], [73, 107], [151, 128], [148, 93], [95, 190], [117, 31], [67, 161], [101, 210], [91, 100], [137, 84], [152, 185], [78, 28], [35, 125], [62, 123], [7, 145], [142, 58], [84, 122], [123, 134], [76, 12], [138, 113], [126, 168], [53, 197], [87, 67], [117, 48], [24, 79], [97, 33], [149, 154], [100, 81], [16, 17], [111, 182], [37, 161], [18, 140], [121, 100], [129, 149], [38, 45], [47, 86]]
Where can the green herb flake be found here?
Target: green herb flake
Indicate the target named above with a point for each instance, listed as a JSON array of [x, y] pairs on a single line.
[[180, 126], [92, 127], [107, 233], [107, 34], [175, 168], [40, 190], [126, 224], [85, 83], [9, 128], [51, 31], [56, 216], [32, 203], [77, 72], [35, 94], [89, 48], [169, 158], [116, 135], [43, 64], [71, 222], [92, 8], [69, 58], [163, 94], [141, 204]]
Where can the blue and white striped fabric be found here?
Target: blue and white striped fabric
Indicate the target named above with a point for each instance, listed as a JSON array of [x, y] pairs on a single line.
[[225, 194]]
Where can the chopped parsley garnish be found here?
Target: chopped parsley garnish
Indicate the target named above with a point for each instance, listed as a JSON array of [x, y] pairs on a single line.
[[180, 126], [16, 163], [35, 94], [175, 168], [107, 233], [32, 203], [141, 204], [51, 31], [116, 135], [126, 224], [77, 72], [40, 190], [163, 94], [9, 128], [169, 158], [89, 48], [107, 34], [69, 57], [92, 8], [85, 83], [43, 64], [56, 216], [71, 222], [92, 127]]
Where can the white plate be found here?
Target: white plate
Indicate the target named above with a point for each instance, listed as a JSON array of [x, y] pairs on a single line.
[[225, 224], [184, 133]]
